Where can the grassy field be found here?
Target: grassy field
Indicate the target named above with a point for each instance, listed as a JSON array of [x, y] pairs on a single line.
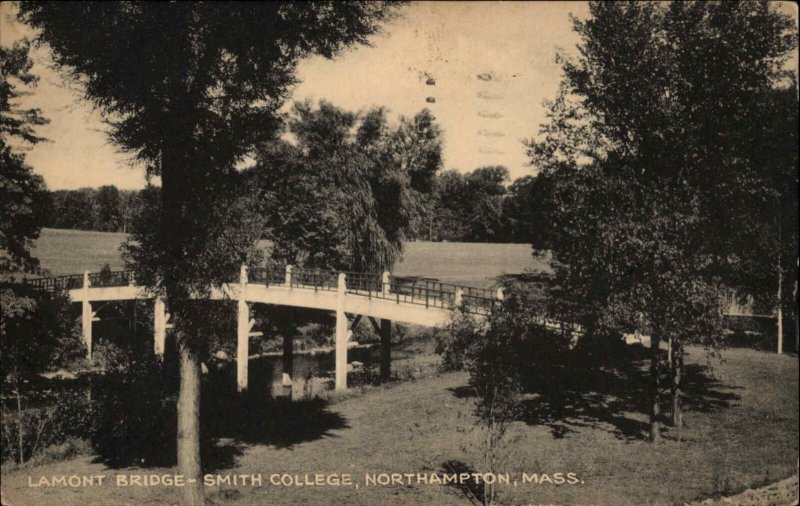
[[741, 431], [76, 251], [471, 264]]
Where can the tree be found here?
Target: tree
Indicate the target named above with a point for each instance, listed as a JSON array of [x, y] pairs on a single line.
[[449, 201], [190, 89], [351, 190], [109, 212], [486, 188], [77, 210], [23, 198], [524, 208], [469, 206], [35, 331], [651, 152]]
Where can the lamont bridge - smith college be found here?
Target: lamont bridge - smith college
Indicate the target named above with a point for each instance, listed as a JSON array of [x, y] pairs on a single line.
[[382, 298]]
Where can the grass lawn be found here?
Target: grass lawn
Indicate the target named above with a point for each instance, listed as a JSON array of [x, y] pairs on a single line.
[[471, 264], [741, 431], [76, 251]]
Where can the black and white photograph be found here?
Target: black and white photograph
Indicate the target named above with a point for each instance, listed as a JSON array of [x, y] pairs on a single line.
[[399, 253]]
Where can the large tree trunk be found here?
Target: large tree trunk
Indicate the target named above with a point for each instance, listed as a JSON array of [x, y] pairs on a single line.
[[677, 375], [655, 387], [779, 302], [189, 427], [173, 199]]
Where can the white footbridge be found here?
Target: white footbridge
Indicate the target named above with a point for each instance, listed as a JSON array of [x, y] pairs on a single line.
[[350, 295]]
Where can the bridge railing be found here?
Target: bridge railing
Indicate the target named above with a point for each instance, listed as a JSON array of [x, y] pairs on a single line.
[[57, 283], [318, 279], [432, 293], [410, 290], [267, 275], [110, 279], [422, 295], [364, 283]]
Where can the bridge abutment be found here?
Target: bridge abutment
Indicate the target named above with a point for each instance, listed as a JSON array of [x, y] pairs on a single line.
[[242, 333], [87, 316], [386, 350], [159, 326], [288, 355]]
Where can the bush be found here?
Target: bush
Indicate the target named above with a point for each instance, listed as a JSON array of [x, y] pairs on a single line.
[[133, 407], [453, 344], [63, 416]]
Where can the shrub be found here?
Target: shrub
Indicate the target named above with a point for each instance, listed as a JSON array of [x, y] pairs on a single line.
[[133, 409], [31, 430]]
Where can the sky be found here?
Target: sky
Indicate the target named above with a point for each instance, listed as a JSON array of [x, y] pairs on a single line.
[[493, 64]]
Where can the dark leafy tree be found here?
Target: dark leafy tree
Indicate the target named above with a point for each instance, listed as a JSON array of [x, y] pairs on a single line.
[[469, 207], [190, 89], [524, 208], [109, 209], [77, 210], [351, 190], [651, 155], [23, 198]]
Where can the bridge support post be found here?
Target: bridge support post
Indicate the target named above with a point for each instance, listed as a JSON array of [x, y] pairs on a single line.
[[288, 276], [159, 326], [288, 355], [242, 333], [385, 283], [86, 316], [341, 335], [386, 350]]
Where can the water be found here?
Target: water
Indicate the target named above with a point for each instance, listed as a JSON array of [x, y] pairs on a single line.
[[312, 373]]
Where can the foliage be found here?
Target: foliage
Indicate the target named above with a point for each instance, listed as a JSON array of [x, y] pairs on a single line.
[[497, 353], [469, 207], [350, 190], [39, 333], [227, 232], [133, 410], [650, 155], [104, 209], [23, 198], [61, 417]]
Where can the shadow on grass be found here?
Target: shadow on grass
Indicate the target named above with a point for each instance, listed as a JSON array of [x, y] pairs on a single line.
[[471, 489], [613, 395], [145, 435]]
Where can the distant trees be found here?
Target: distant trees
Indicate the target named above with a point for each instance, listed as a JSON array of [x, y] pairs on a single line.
[[477, 206], [105, 209], [468, 207]]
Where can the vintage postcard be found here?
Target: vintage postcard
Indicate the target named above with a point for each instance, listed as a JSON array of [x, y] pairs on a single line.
[[399, 253]]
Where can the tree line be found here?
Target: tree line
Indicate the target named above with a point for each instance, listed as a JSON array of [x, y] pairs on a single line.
[[477, 206], [104, 209]]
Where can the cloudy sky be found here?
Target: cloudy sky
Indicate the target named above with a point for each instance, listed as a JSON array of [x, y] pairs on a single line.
[[493, 65]]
